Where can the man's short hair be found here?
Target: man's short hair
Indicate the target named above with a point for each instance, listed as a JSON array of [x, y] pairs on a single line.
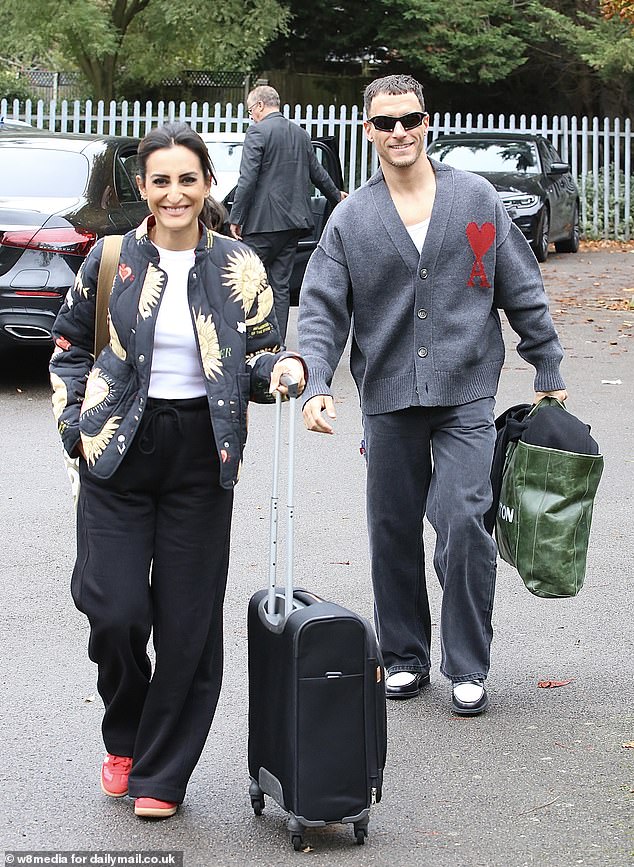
[[266, 94], [393, 85]]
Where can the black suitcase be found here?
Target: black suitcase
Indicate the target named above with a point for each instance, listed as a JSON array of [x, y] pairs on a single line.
[[317, 715]]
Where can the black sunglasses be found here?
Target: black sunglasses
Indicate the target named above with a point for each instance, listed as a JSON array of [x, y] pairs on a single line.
[[387, 123]]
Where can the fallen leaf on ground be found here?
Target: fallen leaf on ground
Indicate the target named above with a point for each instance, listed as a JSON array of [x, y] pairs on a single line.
[[549, 684], [610, 246]]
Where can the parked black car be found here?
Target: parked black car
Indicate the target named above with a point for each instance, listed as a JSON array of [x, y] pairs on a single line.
[[58, 194], [536, 186]]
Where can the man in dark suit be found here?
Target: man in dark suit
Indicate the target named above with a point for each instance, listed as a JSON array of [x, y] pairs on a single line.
[[271, 209]]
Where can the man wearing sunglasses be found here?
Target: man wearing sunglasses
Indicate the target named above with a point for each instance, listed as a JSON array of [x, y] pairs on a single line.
[[271, 209], [418, 261]]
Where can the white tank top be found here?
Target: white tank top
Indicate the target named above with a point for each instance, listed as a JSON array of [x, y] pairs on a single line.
[[418, 233], [176, 368]]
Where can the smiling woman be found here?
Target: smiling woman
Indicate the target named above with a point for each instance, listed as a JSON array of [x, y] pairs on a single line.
[[175, 186], [158, 421]]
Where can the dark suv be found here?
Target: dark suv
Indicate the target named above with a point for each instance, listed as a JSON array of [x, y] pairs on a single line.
[[58, 194], [536, 186]]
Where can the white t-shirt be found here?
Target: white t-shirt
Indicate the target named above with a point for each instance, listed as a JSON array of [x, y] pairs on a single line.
[[176, 369], [418, 233]]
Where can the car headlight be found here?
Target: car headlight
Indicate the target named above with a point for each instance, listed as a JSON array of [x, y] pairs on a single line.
[[519, 200]]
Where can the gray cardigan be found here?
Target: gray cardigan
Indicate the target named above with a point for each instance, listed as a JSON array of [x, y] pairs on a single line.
[[426, 329]]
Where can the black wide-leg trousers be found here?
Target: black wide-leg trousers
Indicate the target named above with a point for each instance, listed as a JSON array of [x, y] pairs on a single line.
[[153, 555]]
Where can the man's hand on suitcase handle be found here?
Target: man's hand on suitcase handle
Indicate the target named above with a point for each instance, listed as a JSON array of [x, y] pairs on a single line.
[[313, 417], [287, 377]]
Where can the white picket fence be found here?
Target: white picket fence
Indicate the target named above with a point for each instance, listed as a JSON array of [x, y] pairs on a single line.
[[599, 151]]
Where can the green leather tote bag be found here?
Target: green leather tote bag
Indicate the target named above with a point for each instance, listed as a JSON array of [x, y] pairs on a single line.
[[545, 509]]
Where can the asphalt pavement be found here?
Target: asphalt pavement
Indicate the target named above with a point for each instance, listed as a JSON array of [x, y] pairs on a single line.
[[544, 778]]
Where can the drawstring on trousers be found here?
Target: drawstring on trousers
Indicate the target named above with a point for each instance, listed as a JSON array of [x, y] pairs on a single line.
[[156, 407]]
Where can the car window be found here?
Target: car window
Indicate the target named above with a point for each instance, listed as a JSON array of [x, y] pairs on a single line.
[[225, 158], [480, 155], [43, 173], [554, 156], [327, 160], [320, 159], [225, 155], [126, 169], [545, 155]]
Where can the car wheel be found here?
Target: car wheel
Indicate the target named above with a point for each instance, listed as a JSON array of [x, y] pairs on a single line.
[[540, 245], [571, 244]]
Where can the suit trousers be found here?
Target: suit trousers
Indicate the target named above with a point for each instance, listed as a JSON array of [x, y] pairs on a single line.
[[152, 556], [434, 461], [277, 251]]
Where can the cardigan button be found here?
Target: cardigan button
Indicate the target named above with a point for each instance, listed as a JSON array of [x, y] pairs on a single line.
[[423, 273], [141, 358], [422, 313], [422, 352]]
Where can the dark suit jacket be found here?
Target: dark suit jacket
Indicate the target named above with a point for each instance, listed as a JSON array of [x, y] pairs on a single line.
[[278, 163]]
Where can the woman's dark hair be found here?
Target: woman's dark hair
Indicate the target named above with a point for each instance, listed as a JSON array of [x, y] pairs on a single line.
[[213, 214]]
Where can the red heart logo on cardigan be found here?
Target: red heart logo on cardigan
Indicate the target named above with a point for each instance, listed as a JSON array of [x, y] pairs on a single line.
[[480, 238], [125, 271]]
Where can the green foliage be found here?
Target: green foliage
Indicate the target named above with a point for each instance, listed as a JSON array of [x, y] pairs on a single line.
[[12, 87], [476, 41], [545, 55], [323, 30], [590, 196], [605, 46], [172, 36], [147, 40]]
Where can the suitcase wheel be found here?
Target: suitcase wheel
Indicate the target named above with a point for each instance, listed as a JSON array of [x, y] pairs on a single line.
[[295, 829], [360, 832], [258, 805], [257, 798]]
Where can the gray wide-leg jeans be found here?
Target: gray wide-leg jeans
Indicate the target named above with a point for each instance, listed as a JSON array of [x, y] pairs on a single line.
[[434, 461]]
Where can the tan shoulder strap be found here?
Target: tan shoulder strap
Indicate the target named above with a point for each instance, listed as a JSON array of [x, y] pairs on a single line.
[[107, 270]]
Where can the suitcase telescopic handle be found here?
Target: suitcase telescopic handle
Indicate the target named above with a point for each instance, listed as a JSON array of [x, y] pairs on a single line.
[[272, 615]]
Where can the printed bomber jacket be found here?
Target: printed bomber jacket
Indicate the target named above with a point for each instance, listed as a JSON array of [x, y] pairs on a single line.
[[101, 401]]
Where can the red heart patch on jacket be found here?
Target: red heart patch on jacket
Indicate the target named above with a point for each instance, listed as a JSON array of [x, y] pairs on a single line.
[[125, 271], [480, 238]]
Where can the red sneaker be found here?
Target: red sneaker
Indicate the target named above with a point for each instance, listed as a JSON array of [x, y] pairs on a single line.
[[153, 809], [115, 771]]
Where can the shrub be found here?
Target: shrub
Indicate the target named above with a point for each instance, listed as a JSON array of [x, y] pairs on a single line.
[[13, 87], [605, 228]]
